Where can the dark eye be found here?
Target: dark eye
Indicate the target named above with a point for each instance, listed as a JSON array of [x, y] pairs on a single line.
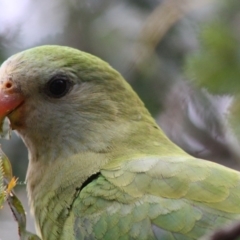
[[58, 87]]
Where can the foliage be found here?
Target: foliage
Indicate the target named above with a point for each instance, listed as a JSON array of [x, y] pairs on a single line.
[[216, 65]]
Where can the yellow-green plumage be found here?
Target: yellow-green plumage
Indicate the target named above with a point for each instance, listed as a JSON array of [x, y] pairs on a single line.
[[142, 185]]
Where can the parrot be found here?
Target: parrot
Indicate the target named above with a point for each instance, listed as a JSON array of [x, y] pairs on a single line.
[[99, 165]]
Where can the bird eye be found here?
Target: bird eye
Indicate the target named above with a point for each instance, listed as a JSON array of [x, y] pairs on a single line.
[[58, 87]]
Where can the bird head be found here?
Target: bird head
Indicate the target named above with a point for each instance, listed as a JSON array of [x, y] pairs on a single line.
[[61, 96]]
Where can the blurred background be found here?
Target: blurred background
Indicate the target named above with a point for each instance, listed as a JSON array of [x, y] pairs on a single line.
[[181, 56]]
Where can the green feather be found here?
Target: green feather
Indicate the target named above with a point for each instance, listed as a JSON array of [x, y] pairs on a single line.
[[146, 186]]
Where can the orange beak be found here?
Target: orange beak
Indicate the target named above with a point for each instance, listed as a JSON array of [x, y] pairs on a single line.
[[10, 98]]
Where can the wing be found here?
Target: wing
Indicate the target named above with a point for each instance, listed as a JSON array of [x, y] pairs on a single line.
[[157, 198]]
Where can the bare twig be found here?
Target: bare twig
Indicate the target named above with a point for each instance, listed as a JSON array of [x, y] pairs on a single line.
[[160, 21]]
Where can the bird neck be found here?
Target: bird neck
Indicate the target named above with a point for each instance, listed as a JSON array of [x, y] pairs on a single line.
[[52, 189], [57, 169]]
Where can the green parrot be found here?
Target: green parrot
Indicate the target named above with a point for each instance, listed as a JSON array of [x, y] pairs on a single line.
[[99, 165]]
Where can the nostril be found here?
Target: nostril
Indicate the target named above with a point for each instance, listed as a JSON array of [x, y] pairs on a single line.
[[8, 85]]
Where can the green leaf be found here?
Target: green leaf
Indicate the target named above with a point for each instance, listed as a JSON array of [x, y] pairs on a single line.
[[20, 216]]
